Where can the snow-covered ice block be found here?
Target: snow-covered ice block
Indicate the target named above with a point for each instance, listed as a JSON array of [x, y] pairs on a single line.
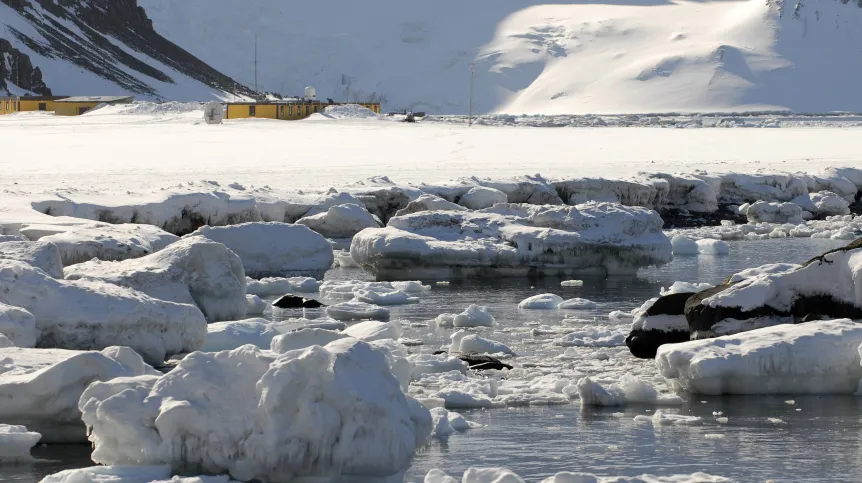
[[410, 286], [353, 310], [473, 344], [481, 197], [769, 212], [447, 422], [812, 358], [660, 321], [90, 314], [428, 202], [109, 242], [629, 390], [577, 304], [194, 270], [321, 411], [626, 192], [16, 441], [267, 287], [255, 305], [683, 245], [343, 260], [18, 325], [514, 240], [302, 338], [545, 301], [474, 316], [230, 335], [382, 296], [769, 269], [373, 330], [434, 364], [273, 249], [40, 387], [111, 474], [739, 188], [685, 287], [823, 203], [341, 221], [708, 246], [44, 256]]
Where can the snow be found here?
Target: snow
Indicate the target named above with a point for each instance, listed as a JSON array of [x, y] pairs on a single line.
[[230, 335], [382, 296], [270, 286], [43, 256], [90, 314], [354, 310], [824, 203], [341, 221], [319, 411], [109, 242], [687, 287], [684, 246], [514, 240], [273, 249], [629, 390], [769, 269], [372, 330], [429, 202], [482, 197], [473, 344], [15, 442], [812, 358], [193, 270], [40, 387], [256, 305], [349, 111], [17, 325], [503, 475], [577, 304], [302, 338], [111, 474], [771, 212], [546, 301], [712, 247], [572, 283]]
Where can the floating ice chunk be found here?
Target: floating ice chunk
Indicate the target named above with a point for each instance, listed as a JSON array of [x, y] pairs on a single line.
[[94, 315], [709, 246], [545, 301], [381, 296], [193, 271], [341, 221], [40, 387], [813, 358], [354, 310], [593, 337], [577, 304], [273, 249], [455, 399], [722, 420], [16, 441], [630, 390], [319, 411], [438, 476], [447, 422], [410, 286], [372, 330], [683, 245], [44, 256], [572, 283], [474, 316], [230, 335], [435, 364], [662, 419], [473, 344], [776, 420], [109, 242], [343, 260], [268, 287], [18, 325], [111, 474], [303, 338], [256, 305]]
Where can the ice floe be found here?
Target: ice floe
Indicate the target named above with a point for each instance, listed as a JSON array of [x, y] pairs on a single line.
[[447, 422], [109, 242], [683, 245], [255, 305], [629, 390], [16, 441], [341, 221], [577, 304], [545, 301], [355, 310], [473, 344], [473, 316]]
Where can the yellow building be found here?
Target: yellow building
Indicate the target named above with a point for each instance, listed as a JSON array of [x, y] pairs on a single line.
[[8, 105], [286, 110], [75, 106]]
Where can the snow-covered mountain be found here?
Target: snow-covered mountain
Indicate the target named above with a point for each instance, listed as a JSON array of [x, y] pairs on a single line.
[[596, 56]]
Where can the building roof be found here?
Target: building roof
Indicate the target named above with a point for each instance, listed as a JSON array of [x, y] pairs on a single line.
[[97, 99], [35, 98]]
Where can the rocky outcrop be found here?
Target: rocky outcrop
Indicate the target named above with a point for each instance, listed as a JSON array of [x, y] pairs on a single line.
[[16, 68]]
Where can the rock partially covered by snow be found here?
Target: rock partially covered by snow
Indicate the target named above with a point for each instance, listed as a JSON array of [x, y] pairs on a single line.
[[109, 242], [86, 314], [273, 249], [658, 321], [16, 441], [481, 197], [823, 204], [44, 256], [428, 202], [514, 240], [40, 387], [354, 310], [321, 411], [629, 390], [771, 212], [194, 270], [18, 325], [545, 301], [683, 245], [812, 358], [473, 344], [341, 221]]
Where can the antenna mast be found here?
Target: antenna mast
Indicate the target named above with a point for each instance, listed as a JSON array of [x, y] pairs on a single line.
[[255, 62]]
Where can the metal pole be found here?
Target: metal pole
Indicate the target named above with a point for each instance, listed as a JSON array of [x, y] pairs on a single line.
[[255, 62], [470, 118]]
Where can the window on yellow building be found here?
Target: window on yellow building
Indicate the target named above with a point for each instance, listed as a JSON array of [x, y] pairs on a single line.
[[252, 111]]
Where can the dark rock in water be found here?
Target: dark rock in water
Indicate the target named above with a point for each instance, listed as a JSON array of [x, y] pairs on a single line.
[[643, 341], [290, 301], [674, 218], [479, 362], [702, 317], [823, 307]]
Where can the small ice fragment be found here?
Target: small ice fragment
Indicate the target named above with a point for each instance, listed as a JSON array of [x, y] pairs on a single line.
[[775, 420], [572, 283], [790, 402], [717, 413], [703, 402], [640, 418], [713, 436], [722, 420], [442, 283]]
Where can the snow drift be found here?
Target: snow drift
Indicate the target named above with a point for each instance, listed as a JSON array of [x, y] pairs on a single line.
[[320, 411], [514, 240]]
